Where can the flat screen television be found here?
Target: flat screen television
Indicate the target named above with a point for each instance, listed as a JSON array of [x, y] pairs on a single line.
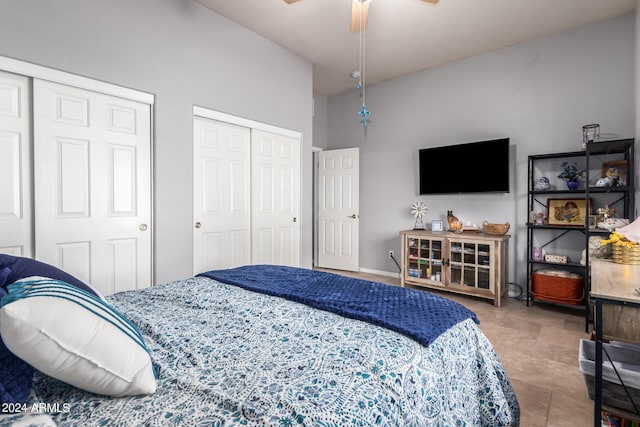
[[475, 167]]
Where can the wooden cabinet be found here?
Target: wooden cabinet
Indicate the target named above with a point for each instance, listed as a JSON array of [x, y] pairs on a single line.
[[472, 264], [617, 317]]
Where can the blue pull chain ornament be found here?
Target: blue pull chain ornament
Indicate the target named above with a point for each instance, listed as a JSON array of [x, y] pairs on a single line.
[[364, 113]]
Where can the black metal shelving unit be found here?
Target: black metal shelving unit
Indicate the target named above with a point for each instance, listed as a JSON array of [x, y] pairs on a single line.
[[620, 197]]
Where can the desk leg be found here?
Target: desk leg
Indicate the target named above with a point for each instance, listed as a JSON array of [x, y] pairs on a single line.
[[597, 420]]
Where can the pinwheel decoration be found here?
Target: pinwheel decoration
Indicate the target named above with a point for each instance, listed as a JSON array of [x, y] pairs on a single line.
[[418, 210]]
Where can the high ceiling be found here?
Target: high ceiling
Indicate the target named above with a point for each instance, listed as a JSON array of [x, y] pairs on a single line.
[[405, 36]]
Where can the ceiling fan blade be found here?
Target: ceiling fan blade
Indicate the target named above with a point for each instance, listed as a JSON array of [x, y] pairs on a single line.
[[359, 15], [290, 1], [428, 1]]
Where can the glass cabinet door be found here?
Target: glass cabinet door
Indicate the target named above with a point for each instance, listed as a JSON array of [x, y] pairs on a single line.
[[424, 259], [470, 264]]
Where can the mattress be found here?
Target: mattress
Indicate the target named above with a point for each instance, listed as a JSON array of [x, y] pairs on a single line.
[[229, 356]]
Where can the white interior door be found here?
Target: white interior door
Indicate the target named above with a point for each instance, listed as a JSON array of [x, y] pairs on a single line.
[[338, 209], [92, 162], [275, 188], [221, 194], [16, 229]]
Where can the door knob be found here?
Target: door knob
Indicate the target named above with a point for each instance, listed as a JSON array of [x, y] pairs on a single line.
[[198, 225], [143, 227], [354, 216]]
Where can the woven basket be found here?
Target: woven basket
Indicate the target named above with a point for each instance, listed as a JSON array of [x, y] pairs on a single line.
[[564, 290], [623, 254], [495, 229]]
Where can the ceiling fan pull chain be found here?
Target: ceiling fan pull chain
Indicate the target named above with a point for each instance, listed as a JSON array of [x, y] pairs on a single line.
[[364, 113]]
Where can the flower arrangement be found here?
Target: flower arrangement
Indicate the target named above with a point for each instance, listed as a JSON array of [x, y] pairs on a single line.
[[619, 239], [570, 172], [625, 243]]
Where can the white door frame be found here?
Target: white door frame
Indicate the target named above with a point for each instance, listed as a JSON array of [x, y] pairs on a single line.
[[241, 121], [38, 71]]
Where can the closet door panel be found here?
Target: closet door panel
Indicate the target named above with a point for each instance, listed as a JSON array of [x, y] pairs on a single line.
[[275, 199], [92, 162], [72, 178], [10, 175], [16, 231], [122, 189], [76, 257], [221, 195]]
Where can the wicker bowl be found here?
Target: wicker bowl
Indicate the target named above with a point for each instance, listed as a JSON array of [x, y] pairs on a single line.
[[495, 229]]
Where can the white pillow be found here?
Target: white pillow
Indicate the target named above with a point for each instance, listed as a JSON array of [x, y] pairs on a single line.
[[76, 337]]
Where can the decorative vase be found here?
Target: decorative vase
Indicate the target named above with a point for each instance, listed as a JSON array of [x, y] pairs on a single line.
[[573, 184], [452, 220]]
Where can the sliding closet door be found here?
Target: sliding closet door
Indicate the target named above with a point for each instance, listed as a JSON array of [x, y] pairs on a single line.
[[15, 166], [92, 185], [275, 198], [221, 195]]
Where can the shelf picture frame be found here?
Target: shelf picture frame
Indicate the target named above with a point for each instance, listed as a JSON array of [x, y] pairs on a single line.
[[572, 212], [620, 165], [592, 221]]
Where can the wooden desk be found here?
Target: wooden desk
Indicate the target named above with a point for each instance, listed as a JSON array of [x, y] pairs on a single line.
[[613, 284]]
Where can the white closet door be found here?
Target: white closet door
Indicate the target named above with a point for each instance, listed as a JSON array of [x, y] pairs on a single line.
[[221, 195], [275, 186], [16, 211], [92, 184]]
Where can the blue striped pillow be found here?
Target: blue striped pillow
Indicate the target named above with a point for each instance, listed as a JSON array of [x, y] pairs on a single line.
[[16, 376], [76, 337]]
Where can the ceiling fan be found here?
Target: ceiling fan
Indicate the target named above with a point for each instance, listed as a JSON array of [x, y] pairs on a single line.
[[359, 12]]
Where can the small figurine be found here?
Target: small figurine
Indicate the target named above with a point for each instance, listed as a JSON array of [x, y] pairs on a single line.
[[611, 179], [542, 184], [604, 182], [453, 221]]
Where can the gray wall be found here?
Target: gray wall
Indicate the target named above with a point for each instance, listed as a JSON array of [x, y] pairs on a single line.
[[637, 93], [185, 55], [538, 93], [320, 104]]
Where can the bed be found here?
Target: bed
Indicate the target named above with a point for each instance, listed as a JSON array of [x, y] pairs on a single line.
[[225, 352]]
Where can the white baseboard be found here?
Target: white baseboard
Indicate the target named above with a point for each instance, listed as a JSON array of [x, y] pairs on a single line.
[[380, 272]]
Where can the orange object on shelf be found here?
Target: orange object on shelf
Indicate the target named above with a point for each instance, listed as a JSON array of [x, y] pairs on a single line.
[[549, 286]]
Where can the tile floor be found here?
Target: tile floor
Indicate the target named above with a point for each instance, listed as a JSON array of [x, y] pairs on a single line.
[[538, 346]]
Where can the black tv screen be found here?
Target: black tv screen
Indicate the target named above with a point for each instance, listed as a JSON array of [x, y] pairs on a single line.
[[476, 167]]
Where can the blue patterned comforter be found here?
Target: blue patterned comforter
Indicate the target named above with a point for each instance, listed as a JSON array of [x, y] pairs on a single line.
[[227, 356], [421, 315]]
